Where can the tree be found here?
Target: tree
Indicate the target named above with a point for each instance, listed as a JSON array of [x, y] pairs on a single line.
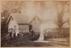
[[60, 21]]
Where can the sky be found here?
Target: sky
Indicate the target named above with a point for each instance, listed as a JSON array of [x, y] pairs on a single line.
[[46, 11]]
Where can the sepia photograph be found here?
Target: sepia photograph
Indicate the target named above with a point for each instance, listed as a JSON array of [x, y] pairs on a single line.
[[35, 23]]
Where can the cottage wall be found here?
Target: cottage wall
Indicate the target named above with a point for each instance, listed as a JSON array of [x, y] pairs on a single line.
[[14, 26]]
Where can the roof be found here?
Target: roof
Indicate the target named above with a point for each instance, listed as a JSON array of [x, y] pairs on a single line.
[[25, 19], [35, 18]]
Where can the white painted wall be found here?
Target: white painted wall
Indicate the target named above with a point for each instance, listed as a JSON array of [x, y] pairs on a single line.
[[13, 24]]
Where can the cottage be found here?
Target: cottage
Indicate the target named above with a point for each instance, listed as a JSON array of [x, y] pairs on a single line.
[[8, 24], [35, 22], [13, 27], [24, 23]]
